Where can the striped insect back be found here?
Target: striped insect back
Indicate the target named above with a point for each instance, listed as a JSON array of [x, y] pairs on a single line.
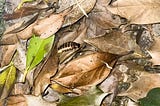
[[68, 46]]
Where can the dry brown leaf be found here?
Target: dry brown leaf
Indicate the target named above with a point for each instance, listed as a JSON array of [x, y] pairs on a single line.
[[115, 42], [86, 70], [155, 51], [80, 8], [7, 54], [22, 12], [137, 11], [48, 70], [49, 25], [100, 19], [19, 59], [27, 100], [141, 87]]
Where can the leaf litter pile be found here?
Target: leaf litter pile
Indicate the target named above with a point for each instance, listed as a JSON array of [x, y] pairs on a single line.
[[80, 53]]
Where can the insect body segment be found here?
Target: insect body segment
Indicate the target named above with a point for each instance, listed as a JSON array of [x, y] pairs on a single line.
[[68, 46]]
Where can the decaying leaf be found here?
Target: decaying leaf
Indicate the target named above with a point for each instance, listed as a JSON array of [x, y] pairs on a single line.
[[7, 53], [80, 8], [49, 69], [37, 50], [139, 88], [155, 51], [24, 11], [27, 100], [93, 97], [137, 11], [100, 19], [115, 42], [49, 25], [90, 69], [19, 59], [7, 78]]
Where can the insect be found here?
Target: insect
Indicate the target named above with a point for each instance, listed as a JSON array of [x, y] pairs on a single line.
[[68, 46]]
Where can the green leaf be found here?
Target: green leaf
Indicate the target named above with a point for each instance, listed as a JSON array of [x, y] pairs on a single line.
[[93, 97], [152, 98], [7, 79], [37, 50]]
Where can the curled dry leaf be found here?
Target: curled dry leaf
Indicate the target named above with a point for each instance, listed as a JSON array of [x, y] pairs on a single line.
[[86, 70], [80, 8], [155, 51], [139, 88], [44, 27], [22, 12], [137, 11], [48, 70], [100, 19], [7, 54], [49, 25], [115, 42], [19, 59]]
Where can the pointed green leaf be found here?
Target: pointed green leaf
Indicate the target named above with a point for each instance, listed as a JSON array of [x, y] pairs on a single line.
[[152, 98], [38, 49], [93, 97], [7, 79]]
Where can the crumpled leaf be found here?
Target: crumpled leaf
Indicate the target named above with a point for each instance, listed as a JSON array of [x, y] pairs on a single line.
[[49, 69], [49, 25], [152, 98], [93, 97], [37, 50], [27, 100], [87, 70], [7, 78], [155, 51], [139, 88], [115, 42], [6, 54], [19, 59], [80, 8], [24, 11], [137, 11]]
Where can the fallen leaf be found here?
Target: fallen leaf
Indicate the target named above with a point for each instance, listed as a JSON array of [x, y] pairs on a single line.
[[27, 100], [7, 54], [100, 19], [90, 69], [139, 88], [37, 50], [152, 98], [93, 97], [19, 59], [22, 12], [80, 8], [115, 42], [137, 11], [155, 51], [49, 25], [49, 69], [7, 78]]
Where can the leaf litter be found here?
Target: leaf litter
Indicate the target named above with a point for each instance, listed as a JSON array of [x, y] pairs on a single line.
[[107, 53]]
